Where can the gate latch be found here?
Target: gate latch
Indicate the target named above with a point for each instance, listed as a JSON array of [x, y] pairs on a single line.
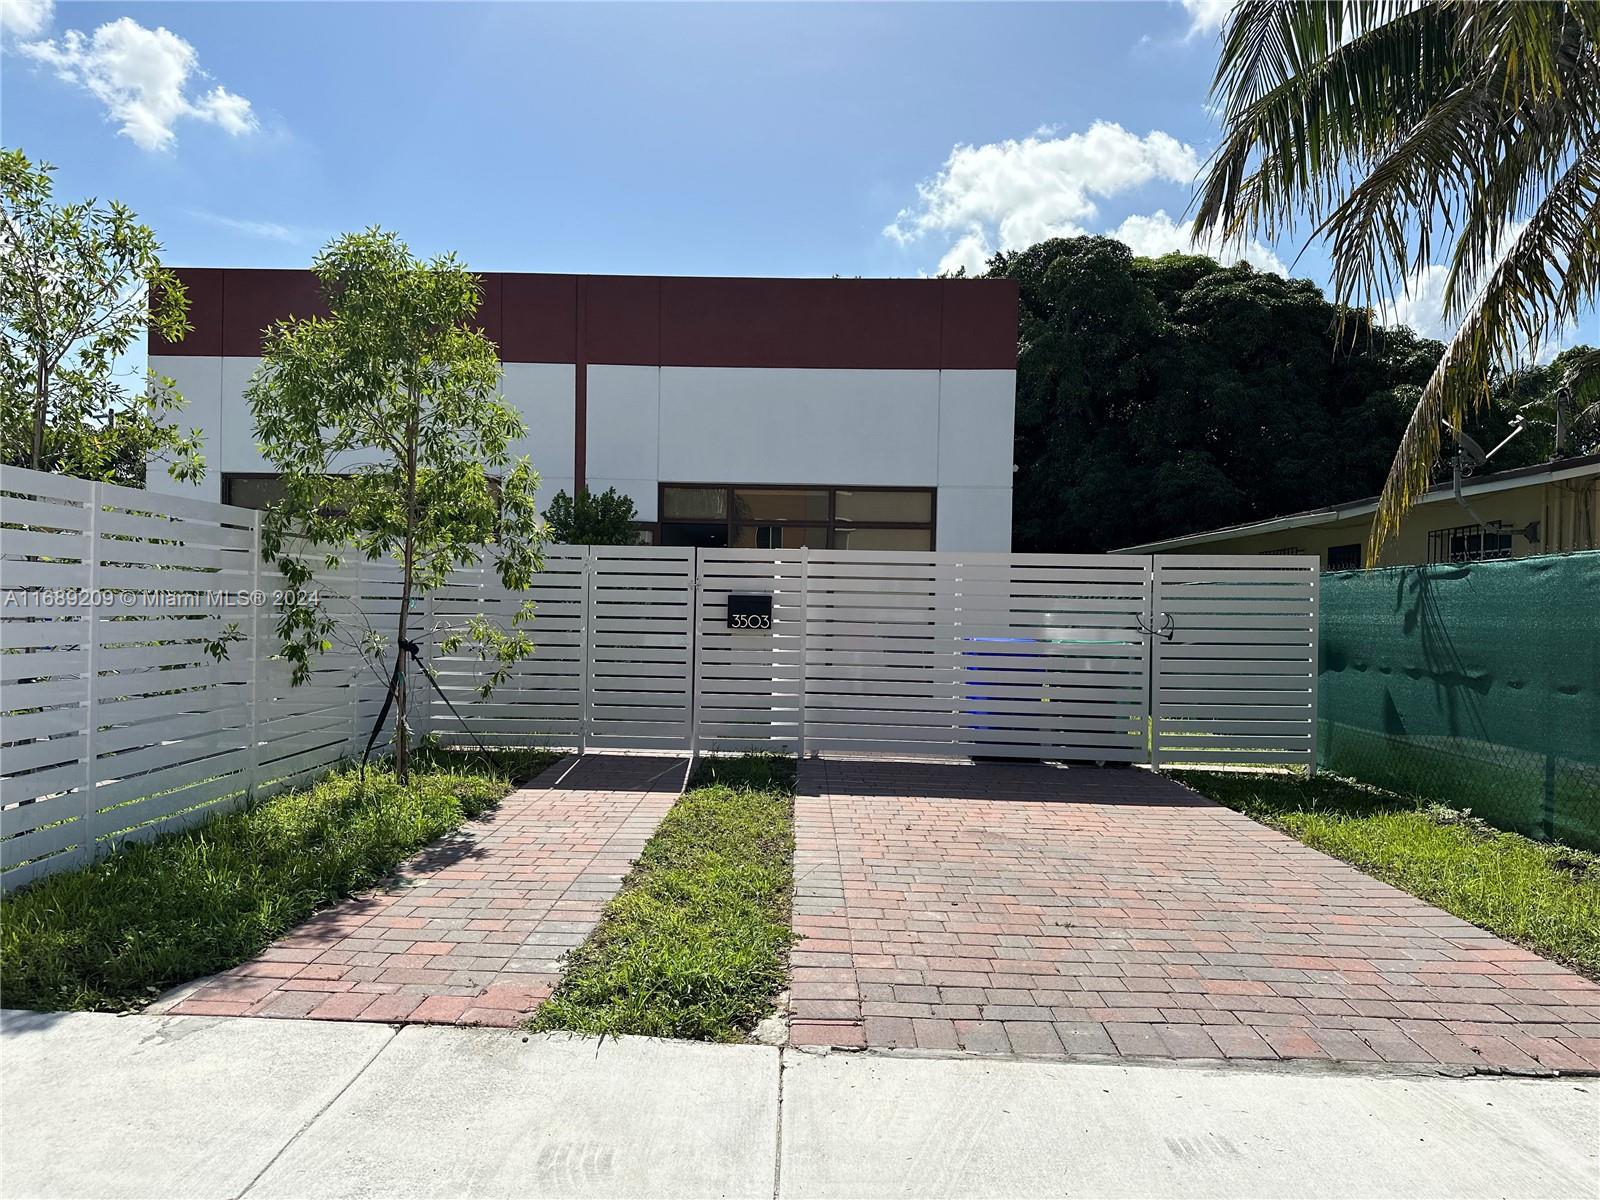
[[1164, 630]]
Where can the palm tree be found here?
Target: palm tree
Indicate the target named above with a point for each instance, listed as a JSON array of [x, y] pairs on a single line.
[[1436, 131]]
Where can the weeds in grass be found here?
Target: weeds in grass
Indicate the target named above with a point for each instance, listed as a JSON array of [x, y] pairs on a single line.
[[695, 945], [1543, 896], [114, 934]]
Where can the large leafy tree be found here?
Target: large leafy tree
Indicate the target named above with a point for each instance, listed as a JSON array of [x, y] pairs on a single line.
[[1458, 132], [1164, 396], [385, 422], [79, 285]]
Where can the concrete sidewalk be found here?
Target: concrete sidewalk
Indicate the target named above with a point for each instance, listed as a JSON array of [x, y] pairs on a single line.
[[98, 1105]]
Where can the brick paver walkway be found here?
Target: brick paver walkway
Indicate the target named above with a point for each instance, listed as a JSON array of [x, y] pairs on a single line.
[[1034, 910], [471, 929]]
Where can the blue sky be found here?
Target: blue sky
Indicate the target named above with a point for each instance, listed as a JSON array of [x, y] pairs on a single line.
[[755, 139], [758, 139]]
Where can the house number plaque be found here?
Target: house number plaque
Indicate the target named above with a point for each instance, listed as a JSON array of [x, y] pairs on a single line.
[[749, 612]]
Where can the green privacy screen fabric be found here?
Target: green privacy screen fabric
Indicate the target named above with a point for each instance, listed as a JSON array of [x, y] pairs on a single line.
[[1476, 685]]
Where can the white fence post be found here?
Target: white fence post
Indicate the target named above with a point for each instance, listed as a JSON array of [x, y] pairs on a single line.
[[358, 674], [1316, 663], [694, 657], [805, 617], [87, 840], [588, 648], [1153, 645], [257, 601], [424, 688]]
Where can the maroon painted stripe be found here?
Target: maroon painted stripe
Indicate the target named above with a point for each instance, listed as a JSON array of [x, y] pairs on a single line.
[[580, 388], [910, 324]]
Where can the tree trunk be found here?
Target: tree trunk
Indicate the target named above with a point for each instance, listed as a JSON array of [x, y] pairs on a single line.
[[41, 401], [402, 735], [402, 744]]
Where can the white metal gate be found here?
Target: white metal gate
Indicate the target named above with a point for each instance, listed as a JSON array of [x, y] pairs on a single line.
[[1109, 658], [1235, 673]]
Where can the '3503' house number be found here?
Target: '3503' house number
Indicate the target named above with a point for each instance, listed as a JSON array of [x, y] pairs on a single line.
[[749, 612]]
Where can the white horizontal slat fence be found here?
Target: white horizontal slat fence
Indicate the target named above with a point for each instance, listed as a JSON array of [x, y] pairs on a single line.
[[750, 685], [995, 655], [640, 643], [116, 722], [1236, 670]]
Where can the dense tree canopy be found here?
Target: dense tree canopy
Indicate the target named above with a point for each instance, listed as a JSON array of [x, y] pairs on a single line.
[[1164, 396]]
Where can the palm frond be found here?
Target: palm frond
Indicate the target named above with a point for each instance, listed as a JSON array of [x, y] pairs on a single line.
[[1307, 138], [1408, 132], [1525, 299]]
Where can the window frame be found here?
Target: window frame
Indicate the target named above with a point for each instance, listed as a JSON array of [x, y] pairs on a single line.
[[832, 524], [1439, 543], [1346, 546]]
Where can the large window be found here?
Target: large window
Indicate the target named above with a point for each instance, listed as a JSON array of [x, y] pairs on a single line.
[[788, 518], [252, 491], [255, 490]]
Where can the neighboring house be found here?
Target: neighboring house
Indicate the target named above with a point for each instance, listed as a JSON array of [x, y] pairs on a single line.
[[844, 413], [1546, 509]]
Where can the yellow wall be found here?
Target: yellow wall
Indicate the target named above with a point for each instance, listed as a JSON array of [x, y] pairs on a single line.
[[1568, 512]]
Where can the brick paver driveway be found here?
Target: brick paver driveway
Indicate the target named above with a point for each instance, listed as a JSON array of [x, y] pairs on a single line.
[[471, 929], [1035, 910]]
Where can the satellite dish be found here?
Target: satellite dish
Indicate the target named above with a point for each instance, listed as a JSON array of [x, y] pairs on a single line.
[[1467, 447]]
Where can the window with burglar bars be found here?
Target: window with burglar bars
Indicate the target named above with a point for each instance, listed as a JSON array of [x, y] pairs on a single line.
[[1468, 543], [1345, 558]]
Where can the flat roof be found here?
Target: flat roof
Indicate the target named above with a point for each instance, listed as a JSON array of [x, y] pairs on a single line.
[[650, 320], [1561, 468]]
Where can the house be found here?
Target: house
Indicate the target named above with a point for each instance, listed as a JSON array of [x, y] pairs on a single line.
[[769, 413], [1545, 509]]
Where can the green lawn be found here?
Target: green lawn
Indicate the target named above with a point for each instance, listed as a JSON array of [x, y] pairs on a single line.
[[113, 935], [1542, 896], [695, 945]]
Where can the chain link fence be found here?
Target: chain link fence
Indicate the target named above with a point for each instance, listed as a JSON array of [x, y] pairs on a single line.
[[1475, 685]]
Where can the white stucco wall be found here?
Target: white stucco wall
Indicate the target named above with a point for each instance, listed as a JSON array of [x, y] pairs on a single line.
[[623, 443], [950, 430]]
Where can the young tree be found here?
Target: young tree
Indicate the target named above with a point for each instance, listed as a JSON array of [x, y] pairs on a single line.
[[79, 285], [606, 519], [384, 420]]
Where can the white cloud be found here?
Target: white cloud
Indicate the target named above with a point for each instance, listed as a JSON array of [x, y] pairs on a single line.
[[142, 77], [971, 250], [1014, 193], [1421, 304], [1009, 195], [1159, 234], [271, 231], [26, 18], [1206, 16]]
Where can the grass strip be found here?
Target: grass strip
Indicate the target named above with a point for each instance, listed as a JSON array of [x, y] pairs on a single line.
[[113, 935], [1543, 896], [695, 945]]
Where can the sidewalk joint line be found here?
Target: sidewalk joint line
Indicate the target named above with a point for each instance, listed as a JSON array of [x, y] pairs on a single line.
[[777, 1149], [394, 1032]]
